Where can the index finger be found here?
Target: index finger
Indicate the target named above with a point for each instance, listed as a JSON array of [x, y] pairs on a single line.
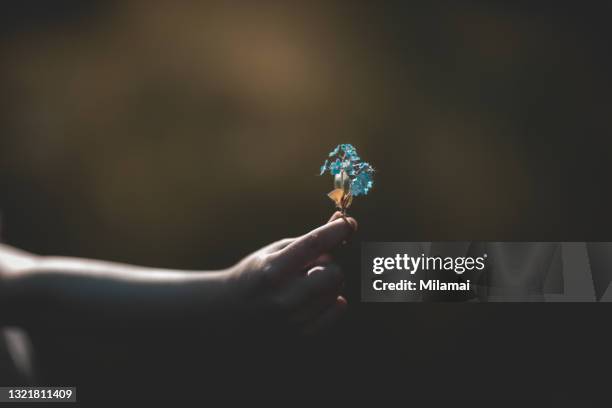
[[295, 256]]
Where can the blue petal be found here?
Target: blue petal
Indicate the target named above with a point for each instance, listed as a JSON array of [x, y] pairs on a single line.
[[335, 167], [347, 160], [356, 188], [346, 148], [362, 184]]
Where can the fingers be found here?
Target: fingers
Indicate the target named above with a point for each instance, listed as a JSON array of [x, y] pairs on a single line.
[[306, 299], [321, 297], [321, 260], [307, 248], [321, 282], [335, 216], [328, 317], [312, 300], [277, 246], [338, 215]]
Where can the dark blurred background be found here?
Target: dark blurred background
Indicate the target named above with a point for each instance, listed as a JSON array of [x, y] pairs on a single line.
[[187, 134]]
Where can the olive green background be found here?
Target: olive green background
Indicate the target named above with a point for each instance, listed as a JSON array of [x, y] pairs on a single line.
[[187, 134]]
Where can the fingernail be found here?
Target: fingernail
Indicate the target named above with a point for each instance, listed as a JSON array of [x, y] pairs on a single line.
[[352, 223]]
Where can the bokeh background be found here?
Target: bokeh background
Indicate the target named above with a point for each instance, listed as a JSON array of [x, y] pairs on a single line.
[[187, 134]]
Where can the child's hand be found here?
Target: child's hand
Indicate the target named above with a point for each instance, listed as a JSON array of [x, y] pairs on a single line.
[[294, 279]]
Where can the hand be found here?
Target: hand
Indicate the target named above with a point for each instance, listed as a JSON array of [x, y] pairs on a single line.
[[294, 281]]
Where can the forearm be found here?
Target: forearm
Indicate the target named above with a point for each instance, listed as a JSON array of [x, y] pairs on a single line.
[[39, 290]]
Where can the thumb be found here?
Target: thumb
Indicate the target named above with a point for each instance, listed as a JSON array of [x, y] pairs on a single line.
[[310, 246]]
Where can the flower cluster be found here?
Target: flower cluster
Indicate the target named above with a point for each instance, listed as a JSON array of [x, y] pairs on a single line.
[[344, 158]]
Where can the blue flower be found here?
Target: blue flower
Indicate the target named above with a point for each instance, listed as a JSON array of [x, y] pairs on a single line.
[[335, 167], [344, 159], [350, 152], [361, 184]]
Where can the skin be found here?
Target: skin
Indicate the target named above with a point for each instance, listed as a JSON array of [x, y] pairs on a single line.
[[289, 283]]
